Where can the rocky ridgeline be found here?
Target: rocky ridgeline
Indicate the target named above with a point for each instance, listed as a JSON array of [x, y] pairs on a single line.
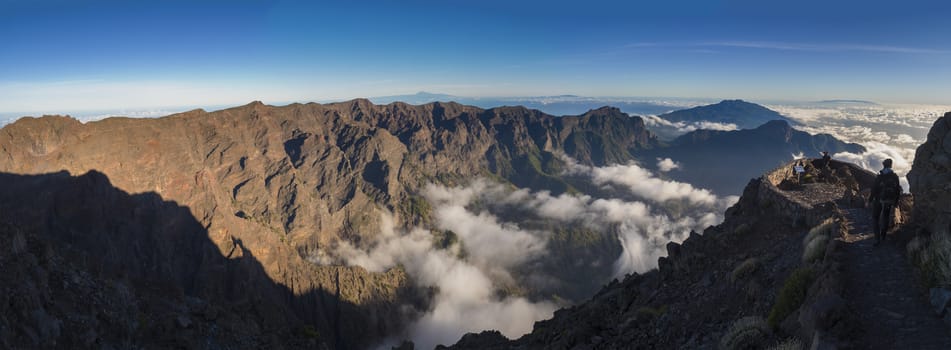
[[274, 188], [773, 258]]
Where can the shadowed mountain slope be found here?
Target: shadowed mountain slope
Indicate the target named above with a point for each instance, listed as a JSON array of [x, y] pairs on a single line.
[[91, 266]]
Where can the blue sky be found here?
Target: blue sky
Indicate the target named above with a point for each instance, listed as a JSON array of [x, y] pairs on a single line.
[[59, 56]]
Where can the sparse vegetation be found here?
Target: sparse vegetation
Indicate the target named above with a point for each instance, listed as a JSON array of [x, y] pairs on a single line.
[[444, 239], [815, 250], [742, 229], [825, 229], [932, 256], [308, 331], [816, 241], [745, 333], [651, 312], [574, 238], [744, 269], [791, 295], [788, 344], [418, 208]]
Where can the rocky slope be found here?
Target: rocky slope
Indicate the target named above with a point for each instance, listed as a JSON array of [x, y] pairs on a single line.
[[744, 267], [230, 205]]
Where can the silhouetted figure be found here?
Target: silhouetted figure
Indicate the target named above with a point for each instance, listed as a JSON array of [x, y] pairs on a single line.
[[884, 196], [824, 166]]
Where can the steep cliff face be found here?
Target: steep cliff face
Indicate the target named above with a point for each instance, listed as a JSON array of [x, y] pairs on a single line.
[[284, 184], [930, 178]]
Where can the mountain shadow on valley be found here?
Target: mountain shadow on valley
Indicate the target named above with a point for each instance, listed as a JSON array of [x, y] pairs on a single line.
[[91, 266]]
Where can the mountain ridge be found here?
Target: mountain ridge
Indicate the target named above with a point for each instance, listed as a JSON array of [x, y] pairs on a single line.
[[744, 115], [290, 182]]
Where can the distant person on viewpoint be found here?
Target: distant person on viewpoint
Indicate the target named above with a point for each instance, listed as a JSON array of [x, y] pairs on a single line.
[[884, 196], [825, 170]]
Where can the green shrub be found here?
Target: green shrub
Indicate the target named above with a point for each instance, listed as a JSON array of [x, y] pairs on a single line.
[[308, 331], [932, 256], [742, 229], [745, 333], [823, 229], [815, 250], [788, 344], [791, 295], [651, 312], [745, 268]]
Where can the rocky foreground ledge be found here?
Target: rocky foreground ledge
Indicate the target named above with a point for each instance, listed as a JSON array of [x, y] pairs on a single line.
[[782, 271]]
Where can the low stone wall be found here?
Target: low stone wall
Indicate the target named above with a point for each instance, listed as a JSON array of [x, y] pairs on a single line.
[[776, 201]]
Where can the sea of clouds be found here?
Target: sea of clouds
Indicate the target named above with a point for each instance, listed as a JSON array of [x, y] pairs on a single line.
[[468, 276], [886, 131]]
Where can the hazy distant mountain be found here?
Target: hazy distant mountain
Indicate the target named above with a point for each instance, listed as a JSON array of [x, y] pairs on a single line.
[[554, 105], [743, 114], [724, 161], [418, 98], [847, 102]]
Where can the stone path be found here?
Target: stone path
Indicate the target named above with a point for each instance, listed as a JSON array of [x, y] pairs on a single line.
[[882, 289]]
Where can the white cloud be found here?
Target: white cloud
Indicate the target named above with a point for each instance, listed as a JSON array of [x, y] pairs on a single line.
[[886, 131], [787, 46], [907, 140], [666, 164], [875, 153], [466, 297], [643, 183], [680, 128], [667, 130]]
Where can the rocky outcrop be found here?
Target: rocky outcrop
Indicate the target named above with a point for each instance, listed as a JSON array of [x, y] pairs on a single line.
[[930, 178]]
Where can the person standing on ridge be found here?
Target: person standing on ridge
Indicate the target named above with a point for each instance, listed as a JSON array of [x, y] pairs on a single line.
[[884, 197]]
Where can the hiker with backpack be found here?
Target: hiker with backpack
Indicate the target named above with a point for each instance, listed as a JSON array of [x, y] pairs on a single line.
[[884, 197]]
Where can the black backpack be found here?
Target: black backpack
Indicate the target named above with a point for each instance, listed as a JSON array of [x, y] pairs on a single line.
[[890, 189]]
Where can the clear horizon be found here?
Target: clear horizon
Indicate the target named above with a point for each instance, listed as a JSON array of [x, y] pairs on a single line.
[[62, 56]]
